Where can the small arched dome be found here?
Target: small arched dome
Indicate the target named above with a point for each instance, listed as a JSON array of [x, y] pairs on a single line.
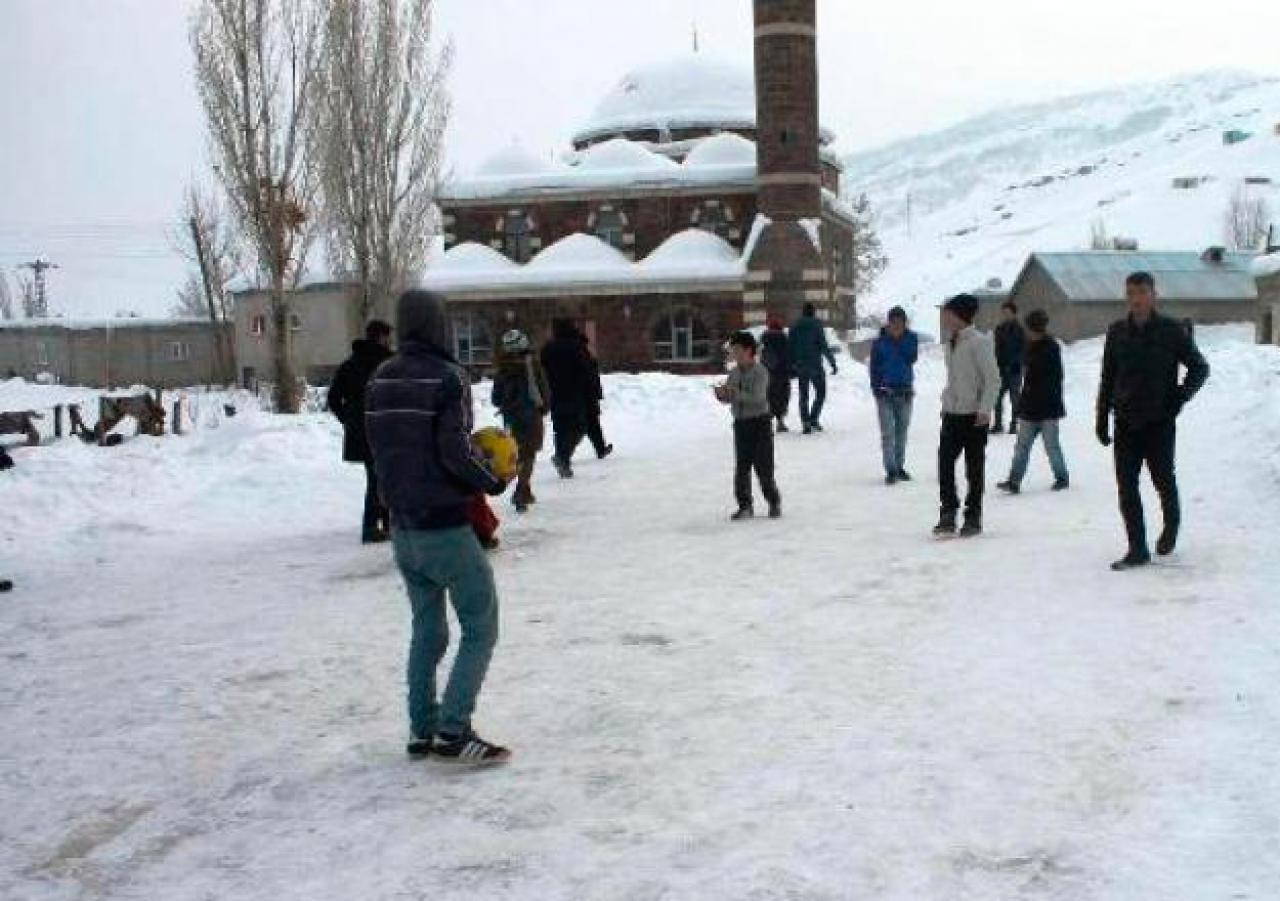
[[725, 149], [470, 257], [692, 91], [693, 252], [620, 153], [512, 160], [579, 251]]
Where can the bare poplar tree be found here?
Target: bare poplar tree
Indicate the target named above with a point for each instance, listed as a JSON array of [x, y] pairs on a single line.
[[1098, 237], [869, 259], [207, 241], [256, 63], [6, 299], [1247, 220], [378, 145]]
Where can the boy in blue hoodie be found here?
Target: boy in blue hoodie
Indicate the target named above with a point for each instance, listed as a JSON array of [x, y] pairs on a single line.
[[893, 359]]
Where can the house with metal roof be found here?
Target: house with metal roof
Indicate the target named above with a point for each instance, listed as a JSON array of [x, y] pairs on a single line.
[[1084, 292]]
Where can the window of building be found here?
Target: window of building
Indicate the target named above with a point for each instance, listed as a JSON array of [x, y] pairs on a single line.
[[609, 225], [472, 344], [715, 217], [258, 326], [42, 353], [517, 236], [179, 351], [295, 322], [681, 337]]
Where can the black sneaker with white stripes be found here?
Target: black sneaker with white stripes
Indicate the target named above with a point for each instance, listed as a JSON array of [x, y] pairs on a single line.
[[469, 749]]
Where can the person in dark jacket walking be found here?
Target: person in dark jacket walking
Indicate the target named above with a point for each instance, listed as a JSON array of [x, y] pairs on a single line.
[[521, 395], [775, 356], [346, 402], [564, 359], [595, 397], [1040, 406], [1139, 385], [892, 368], [419, 418], [1011, 344], [809, 348]]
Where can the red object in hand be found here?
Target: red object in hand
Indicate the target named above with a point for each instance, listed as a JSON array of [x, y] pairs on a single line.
[[482, 518]]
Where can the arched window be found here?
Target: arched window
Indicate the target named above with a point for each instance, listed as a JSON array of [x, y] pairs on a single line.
[[517, 235], [472, 344], [609, 224], [681, 337], [715, 217]]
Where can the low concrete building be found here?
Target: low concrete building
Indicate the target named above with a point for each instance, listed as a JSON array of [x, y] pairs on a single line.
[[117, 353], [1084, 292], [1267, 272], [324, 318]]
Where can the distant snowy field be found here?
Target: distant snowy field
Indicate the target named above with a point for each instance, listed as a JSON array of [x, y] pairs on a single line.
[[202, 696]]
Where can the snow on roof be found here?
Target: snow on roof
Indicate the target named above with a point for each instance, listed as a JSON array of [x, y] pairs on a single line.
[[1179, 275], [1266, 266], [116, 322], [512, 160], [620, 153], [724, 149], [690, 91], [579, 259]]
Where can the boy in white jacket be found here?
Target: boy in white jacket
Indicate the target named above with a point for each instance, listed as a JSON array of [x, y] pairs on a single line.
[[973, 382]]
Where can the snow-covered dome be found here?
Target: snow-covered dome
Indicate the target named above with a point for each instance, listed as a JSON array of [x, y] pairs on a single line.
[[470, 257], [620, 153], [579, 251], [725, 149], [691, 91], [693, 252], [512, 160]]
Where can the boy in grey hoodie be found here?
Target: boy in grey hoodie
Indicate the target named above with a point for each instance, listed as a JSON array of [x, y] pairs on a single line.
[[747, 392], [973, 381]]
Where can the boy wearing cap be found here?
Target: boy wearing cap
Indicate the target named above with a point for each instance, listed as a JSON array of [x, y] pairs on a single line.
[[747, 392], [520, 395], [973, 380], [1039, 407], [893, 360]]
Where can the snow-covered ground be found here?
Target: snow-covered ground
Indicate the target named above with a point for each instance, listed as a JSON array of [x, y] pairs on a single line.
[[202, 698]]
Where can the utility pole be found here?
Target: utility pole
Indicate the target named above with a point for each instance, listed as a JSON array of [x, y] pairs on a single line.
[[695, 37], [40, 267]]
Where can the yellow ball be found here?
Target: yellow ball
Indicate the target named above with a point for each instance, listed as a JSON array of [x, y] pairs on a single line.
[[500, 451]]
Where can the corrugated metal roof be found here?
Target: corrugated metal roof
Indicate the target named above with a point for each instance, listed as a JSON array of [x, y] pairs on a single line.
[[1099, 275]]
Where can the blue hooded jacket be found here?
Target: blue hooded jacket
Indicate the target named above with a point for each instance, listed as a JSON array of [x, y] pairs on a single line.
[[893, 361]]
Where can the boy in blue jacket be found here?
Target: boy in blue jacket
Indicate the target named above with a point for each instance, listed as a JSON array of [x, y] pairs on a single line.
[[893, 359]]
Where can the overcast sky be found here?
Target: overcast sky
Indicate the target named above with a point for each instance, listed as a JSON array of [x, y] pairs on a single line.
[[101, 128]]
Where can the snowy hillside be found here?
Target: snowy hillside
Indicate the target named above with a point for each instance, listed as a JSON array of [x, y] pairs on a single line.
[[969, 203], [202, 672]]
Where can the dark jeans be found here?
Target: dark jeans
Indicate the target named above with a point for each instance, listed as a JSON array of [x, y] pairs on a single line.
[[753, 448], [815, 381], [1010, 384], [1155, 445], [375, 514], [961, 434], [595, 432], [779, 394], [570, 427]]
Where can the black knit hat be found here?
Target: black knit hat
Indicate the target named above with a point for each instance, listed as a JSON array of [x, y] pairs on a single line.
[[1037, 321], [898, 313], [963, 305]]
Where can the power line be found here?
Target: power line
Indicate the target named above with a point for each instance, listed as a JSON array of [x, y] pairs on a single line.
[[39, 267]]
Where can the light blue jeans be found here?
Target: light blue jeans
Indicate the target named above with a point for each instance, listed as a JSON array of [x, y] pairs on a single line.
[[1027, 434], [894, 408], [436, 563]]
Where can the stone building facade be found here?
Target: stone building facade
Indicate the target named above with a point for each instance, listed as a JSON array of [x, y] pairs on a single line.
[[117, 353], [323, 321]]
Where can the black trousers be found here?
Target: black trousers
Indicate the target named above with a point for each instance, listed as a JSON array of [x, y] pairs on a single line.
[[961, 434], [375, 514], [815, 381], [779, 394], [1156, 446], [570, 428], [595, 432], [753, 448], [1010, 384]]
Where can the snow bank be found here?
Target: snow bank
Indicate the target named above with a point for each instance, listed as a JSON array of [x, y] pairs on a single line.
[[621, 154], [1266, 266]]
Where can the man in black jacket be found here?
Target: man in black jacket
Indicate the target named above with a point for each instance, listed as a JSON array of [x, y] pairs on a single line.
[[564, 360], [595, 398], [1040, 406], [775, 355], [1010, 347], [1140, 369], [419, 416], [346, 402]]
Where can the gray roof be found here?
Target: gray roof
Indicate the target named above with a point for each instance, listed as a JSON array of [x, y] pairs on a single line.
[[1180, 275]]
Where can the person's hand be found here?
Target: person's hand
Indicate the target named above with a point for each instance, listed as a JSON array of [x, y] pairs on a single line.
[[722, 392], [1104, 430], [982, 420]]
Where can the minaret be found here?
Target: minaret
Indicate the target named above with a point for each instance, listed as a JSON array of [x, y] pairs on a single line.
[[785, 269]]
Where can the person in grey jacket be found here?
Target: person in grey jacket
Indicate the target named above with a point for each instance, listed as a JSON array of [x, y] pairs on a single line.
[[747, 394], [973, 381]]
